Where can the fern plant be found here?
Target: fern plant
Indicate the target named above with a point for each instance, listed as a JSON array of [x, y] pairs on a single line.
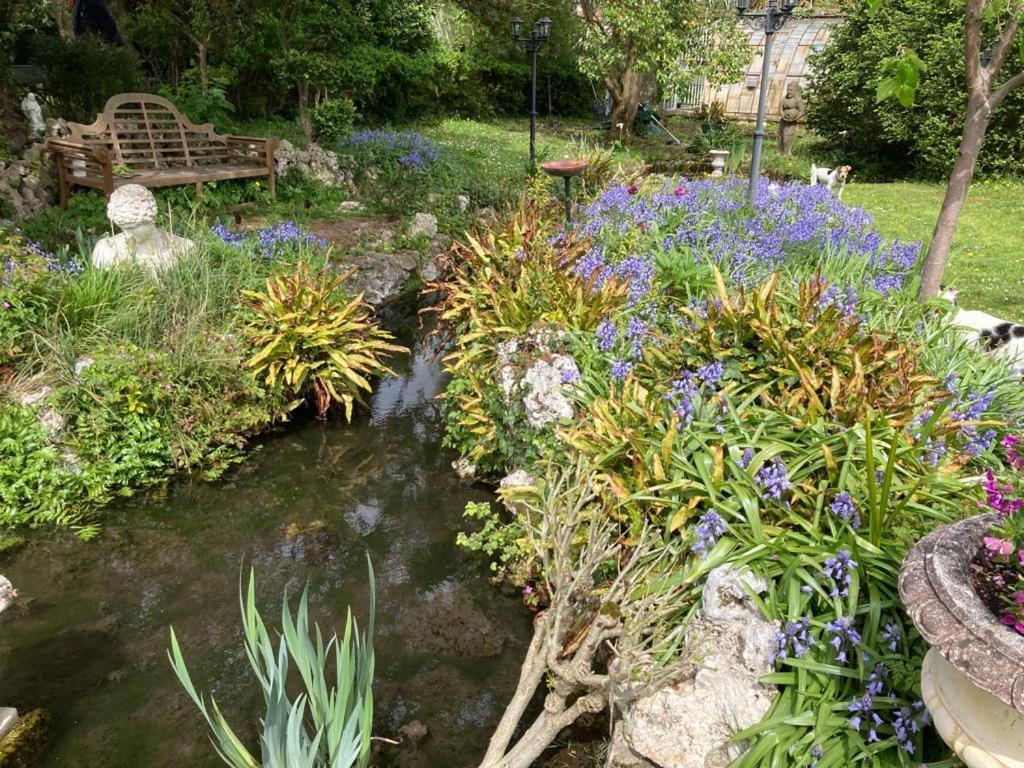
[[310, 337], [329, 724]]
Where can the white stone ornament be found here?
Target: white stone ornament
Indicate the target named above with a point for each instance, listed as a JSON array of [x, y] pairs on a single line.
[[34, 113], [132, 208]]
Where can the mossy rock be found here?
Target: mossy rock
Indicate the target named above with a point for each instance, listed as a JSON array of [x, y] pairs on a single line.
[[22, 746]]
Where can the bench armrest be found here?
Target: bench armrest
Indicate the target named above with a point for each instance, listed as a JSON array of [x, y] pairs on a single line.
[[73, 148], [266, 145], [79, 160]]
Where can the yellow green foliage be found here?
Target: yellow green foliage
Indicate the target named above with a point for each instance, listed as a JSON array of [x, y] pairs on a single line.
[[311, 337]]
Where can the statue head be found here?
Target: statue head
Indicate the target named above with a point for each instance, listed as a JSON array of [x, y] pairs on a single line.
[[132, 208], [793, 89]]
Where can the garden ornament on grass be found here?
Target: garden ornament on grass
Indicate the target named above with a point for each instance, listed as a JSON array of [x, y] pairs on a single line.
[[133, 209], [791, 113]]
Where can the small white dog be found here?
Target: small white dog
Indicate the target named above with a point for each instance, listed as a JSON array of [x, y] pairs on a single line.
[[1000, 338], [830, 177]]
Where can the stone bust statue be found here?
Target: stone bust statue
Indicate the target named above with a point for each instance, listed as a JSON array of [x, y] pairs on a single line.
[[132, 208], [791, 113]]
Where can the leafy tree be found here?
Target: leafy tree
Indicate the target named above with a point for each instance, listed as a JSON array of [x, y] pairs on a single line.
[[993, 71], [677, 41]]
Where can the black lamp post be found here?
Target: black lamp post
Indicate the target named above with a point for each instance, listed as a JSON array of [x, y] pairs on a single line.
[[531, 43], [774, 16]]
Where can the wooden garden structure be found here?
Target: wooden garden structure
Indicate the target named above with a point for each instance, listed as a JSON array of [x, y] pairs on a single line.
[[143, 139]]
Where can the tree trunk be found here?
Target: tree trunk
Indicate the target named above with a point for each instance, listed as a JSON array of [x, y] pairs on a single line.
[[625, 91], [978, 114], [307, 128], [204, 68]]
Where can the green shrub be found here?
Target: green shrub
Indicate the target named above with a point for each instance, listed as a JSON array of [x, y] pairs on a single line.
[[83, 73], [887, 138], [332, 119], [203, 105]]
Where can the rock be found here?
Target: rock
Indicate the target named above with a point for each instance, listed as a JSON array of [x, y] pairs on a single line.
[[52, 421], [7, 593], [464, 468], [381, 276], [513, 484], [321, 165], [690, 724], [463, 202], [430, 272], [133, 209], [532, 367], [447, 622], [422, 224], [349, 205], [35, 396], [81, 364], [413, 733], [619, 753]]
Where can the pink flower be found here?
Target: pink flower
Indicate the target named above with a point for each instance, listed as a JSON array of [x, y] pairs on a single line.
[[1012, 621], [997, 498], [996, 546], [7, 305], [632, 189], [680, 191], [527, 590], [1010, 443], [1018, 597]]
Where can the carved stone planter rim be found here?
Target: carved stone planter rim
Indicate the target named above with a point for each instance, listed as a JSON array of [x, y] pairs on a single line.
[[935, 584]]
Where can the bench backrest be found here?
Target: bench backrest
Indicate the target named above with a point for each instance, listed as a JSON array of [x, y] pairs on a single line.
[[144, 131]]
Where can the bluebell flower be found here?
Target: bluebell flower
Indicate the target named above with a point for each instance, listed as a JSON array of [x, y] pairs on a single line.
[[795, 638], [845, 637], [844, 507], [746, 458], [891, 634], [710, 527], [840, 569], [621, 369], [606, 335], [774, 479]]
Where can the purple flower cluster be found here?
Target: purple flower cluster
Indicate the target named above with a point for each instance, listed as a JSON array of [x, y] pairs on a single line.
[[844, 637], [891, 634], [606, 335], [840, 569], [272, 241], [413, 151], [710, 527], [795, 638], [34, 256], [907, 723], [844, 507], [746, 458], [774, 479], [621, 369], [787, 222], [863, 715]]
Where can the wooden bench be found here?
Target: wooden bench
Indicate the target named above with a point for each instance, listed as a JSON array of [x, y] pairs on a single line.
[[159, 146]]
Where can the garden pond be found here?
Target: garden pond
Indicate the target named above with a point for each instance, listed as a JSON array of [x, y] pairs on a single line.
[[87, 638]]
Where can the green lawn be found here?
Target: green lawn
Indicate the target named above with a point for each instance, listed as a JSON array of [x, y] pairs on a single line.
[[987, 264]]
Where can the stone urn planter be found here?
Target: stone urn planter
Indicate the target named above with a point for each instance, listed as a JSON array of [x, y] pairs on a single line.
[[972, 679], [718, 158]]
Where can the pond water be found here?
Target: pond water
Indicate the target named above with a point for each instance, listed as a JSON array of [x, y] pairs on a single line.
[[87, 638]]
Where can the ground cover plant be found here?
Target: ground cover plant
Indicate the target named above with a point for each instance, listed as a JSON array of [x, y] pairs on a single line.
[[762, 389], [116, 379]]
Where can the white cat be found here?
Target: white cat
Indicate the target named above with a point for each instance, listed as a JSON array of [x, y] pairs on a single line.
[[1005, 340]]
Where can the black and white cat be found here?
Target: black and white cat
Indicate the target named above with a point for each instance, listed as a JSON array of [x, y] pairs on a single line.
[[1003, 339]]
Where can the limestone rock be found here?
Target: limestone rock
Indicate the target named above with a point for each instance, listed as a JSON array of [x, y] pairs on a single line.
[[464, 468], [532, 367], [379, 275], [7, 593], [463, 202], [515, 481], [422, 224], [35, 396], [690, 724], [316, 163], [8, 719], [53, 421], [347, 206], [81, 364]]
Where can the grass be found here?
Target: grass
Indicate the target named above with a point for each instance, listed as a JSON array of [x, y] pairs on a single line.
[[989, 244]]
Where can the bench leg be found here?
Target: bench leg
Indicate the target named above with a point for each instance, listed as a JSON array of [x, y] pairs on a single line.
[[199, 189], [272, 183], [62, 190]]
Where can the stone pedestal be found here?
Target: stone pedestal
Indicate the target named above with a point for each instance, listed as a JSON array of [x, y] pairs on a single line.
[[718, 158], [8, 718], [983, 731]]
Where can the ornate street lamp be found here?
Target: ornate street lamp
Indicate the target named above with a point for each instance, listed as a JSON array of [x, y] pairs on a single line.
[[774, 16], [531, 43]]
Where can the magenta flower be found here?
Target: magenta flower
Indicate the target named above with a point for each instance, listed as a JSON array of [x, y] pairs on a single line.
[[997, 498], [680, 191], [996, 546], [632, 189], [1010, 443], [1012, 621], [7, 305]]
